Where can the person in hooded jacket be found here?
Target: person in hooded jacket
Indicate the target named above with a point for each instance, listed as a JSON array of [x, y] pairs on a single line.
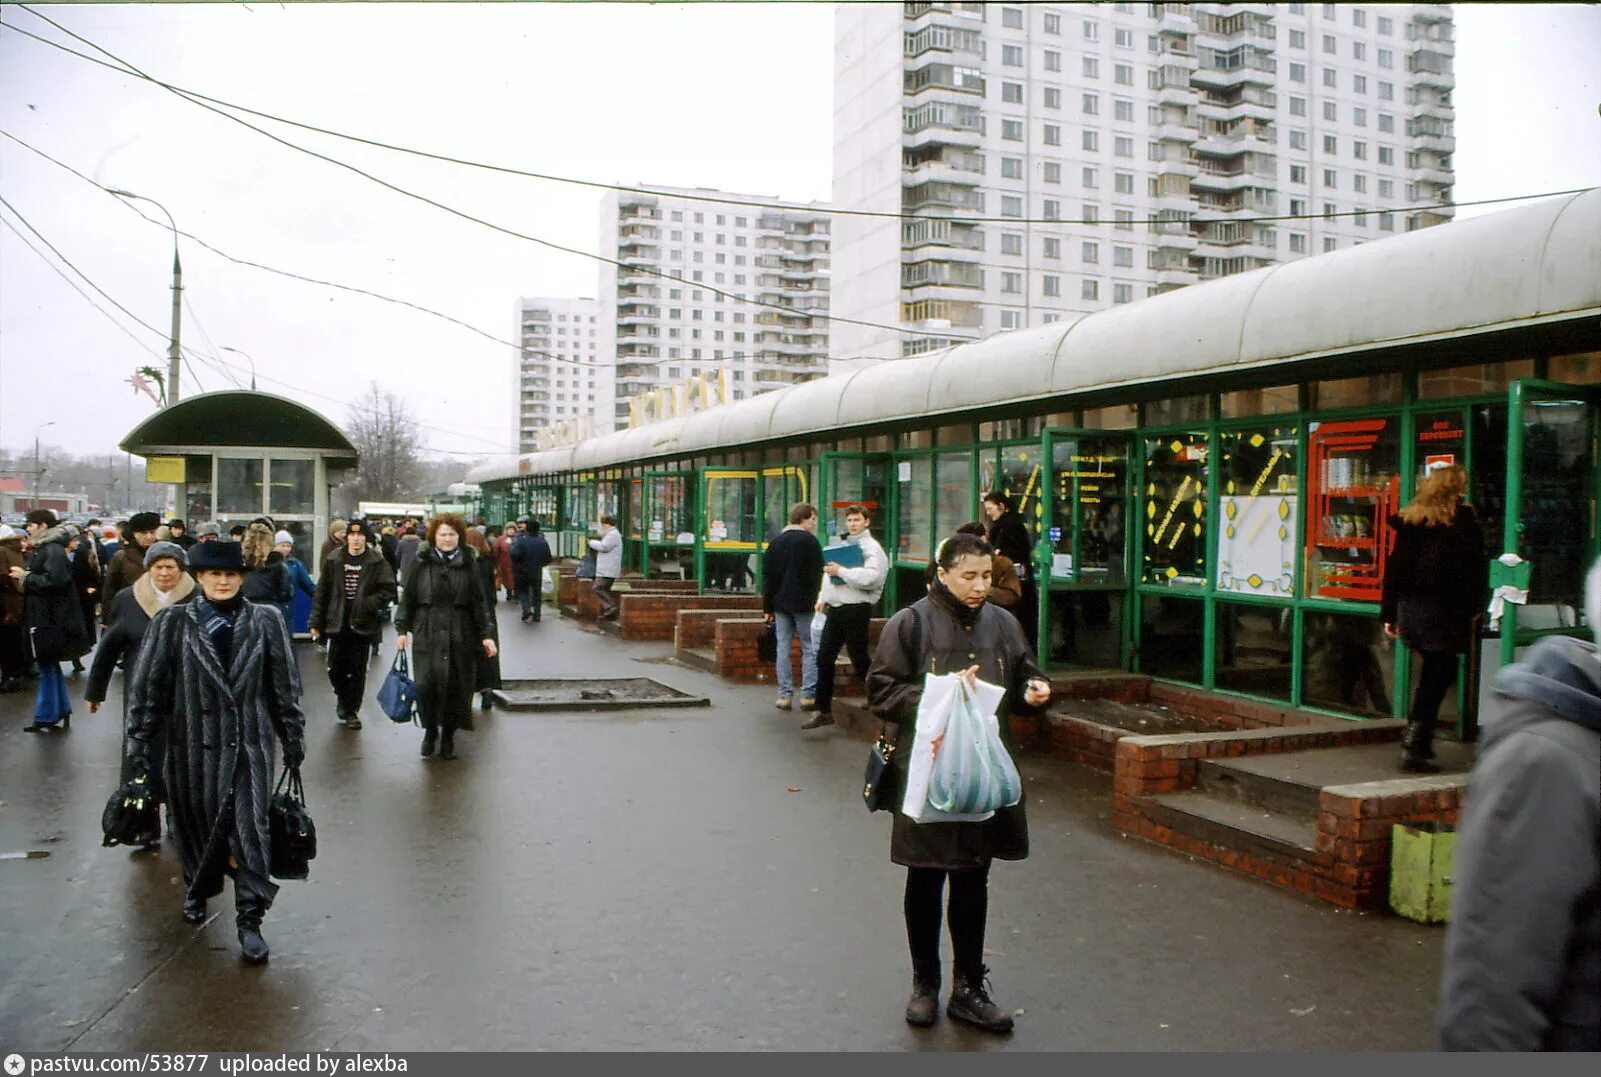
[[1522, 968], [443, 622], [13, 653], [52, 619], [1433, 591], [128, 563], [953, 629]]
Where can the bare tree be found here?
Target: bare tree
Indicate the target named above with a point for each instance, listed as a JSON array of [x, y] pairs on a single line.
[[385, 433]]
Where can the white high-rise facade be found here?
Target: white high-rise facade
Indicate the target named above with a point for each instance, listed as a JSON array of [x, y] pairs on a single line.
[[561, 373], [1067, 157], [673, 309]]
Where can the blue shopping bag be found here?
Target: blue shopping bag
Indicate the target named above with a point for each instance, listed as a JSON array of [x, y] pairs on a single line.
[[398, 694]]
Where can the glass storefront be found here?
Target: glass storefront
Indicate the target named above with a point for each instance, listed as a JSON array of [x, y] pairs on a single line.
[[1174, 509]]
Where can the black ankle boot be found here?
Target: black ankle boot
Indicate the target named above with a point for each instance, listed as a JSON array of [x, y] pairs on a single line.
[[447, 745], [194, 910], [922, 1009], [429, 739], [971, 1003], [1417, 750], [252, 947]]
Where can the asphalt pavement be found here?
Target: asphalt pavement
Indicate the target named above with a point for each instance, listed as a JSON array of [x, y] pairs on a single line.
[[701, 879]]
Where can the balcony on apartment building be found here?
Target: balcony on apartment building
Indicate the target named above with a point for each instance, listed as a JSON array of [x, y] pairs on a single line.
[[941, 195], [1253, 22], [951, 78], [913, 11], [1173, 87], [941, 163], [1255, 201], [944, 238], [1173, 18], [942, 123], [637, 350], [1426, 101], [1430, 67], [928, 315], [625, 293], [1172, 235], [1233, 172], [942, 275], [631, 211], [939, 37], [1242, 65], [1221, 138], [1211, 268], [1239, 102], [637, 313], [1432, 134]]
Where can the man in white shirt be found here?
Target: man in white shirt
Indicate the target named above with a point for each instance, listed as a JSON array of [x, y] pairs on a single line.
[[846, 602], [608, 564]]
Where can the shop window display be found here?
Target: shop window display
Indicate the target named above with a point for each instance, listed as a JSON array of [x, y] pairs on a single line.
[[1256, 546], [1174, 509], [1253, 649], [953, 496], [1353, 492], [1089, 502], [1347, 664], [914, 484]]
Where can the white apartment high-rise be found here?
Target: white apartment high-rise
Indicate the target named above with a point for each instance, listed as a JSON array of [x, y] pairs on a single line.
[[666, 329], [561, 373], [1074, 156]]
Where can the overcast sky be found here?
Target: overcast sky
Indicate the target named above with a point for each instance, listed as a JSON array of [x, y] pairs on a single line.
[[737, 97]]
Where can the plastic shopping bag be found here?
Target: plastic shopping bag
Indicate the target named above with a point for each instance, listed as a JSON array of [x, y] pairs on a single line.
[[946, 698], [972, 771], [818, 621], [547, 586]]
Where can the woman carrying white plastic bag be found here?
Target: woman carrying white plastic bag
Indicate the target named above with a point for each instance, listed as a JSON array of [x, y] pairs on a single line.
[[953, 631], [959, 770]]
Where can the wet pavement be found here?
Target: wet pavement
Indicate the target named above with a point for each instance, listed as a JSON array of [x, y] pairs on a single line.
[[700, 878]]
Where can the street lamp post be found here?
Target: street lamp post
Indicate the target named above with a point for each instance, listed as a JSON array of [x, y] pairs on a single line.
[[36, 430], [173, 354], [237, 351]]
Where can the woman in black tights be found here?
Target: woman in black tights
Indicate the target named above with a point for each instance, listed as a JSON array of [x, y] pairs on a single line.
[[953, 630]]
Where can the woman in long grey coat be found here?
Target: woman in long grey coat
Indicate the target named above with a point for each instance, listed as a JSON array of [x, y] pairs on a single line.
[[443, 605], [953, 630], [218, 677]]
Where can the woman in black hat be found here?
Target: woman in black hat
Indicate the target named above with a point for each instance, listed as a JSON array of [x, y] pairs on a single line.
[[216, 678], [129, 563]]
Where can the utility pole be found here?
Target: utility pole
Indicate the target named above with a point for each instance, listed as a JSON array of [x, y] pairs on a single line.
[[174, 356], [36, 431]]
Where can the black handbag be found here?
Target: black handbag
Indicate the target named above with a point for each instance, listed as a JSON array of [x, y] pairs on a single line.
[[291, 833], [767, 644], [878, 791], [131, 815]]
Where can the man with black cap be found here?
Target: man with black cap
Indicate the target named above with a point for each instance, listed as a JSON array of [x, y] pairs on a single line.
[[129, 562], [180, 533], [356, 583], [216, 681]]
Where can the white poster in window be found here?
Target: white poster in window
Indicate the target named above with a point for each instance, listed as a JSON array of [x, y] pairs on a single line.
[[1256, 551], [903, 471]]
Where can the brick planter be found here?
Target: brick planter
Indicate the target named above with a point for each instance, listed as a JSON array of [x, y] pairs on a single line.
[[650, 615]]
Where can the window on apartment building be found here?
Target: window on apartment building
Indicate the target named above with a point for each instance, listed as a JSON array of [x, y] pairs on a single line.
[[1123, 111], [1089, 212], [1053, 172], [1123, 220], [1297, 9], [1090, 289], [1011, 205], [1053, 247], [1359, 84], [1123, 182], [1297, 106], [1091, 252], [1297, 139], [1386, 222], [1090, 140], [1053, 134], [1297, 173], [1011, 168], [1012, 93], [1329, 244], [1386, 58], [1053, 24], [1012, 18], [1089, 178], [1123, 74], [675, 293], [1297, 207], [1122, 293], [1359, 183], [697, 256], [1123, 39], [1386, 122], [1011, 283], [1331, 144], [1053, 60], [1330, 209], [1330, 45], [1386, 155], [1331, 111], [1123, 256], [1012, 55], [1297, 39], [1050, 285], [1386, 91], [1331, 78], [1331, 179], [1329, 10], [1359, 116], [1012, 130], [1052, 210], [1011, 319], [676, 235], [1092, 30], [1011, 243], [1359, 18], [1297, 72], [1386, 188], [1359, 149], [673, 334], [1053, 97], [740, 222], [1092, 104], [1092, 67], [1385, 26]]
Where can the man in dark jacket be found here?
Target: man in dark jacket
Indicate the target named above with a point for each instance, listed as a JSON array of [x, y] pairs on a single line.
[[530, 553], [128, 563], [180, 533], [792, 573], [1523, 952], [1009, 535], [356, 583]]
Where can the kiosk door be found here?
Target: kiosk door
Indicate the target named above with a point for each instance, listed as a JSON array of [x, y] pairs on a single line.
[[1083, 551], [729, 533], [669, 525], [854, 479]]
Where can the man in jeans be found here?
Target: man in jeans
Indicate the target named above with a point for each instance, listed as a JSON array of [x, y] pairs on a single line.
[[792, 571], [608, 564], [847, 602], [530, 553], [356, 583]]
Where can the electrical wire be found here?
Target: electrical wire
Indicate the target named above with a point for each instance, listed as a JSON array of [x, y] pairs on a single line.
[[776, 204]]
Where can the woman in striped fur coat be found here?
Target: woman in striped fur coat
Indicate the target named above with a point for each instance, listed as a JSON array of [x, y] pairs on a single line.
[[217, 675]]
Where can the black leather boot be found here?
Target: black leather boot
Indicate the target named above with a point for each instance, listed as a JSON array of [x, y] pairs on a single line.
[[971, 1003], [922, 1009], [194, 910], [429, 739], [252, 947], [1417, 750], [447, 744]]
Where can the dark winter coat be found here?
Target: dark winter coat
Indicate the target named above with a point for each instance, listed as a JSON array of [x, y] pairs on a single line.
[[949, 640], [86, 580], [10, 590], [1434, 582], [125, 631], [51, 614], [270, 583], [443, 609], [1523, 952], [374, 590], [127, 565], [529, 553], [1009, 535], [792, 572], [223, 716], [489, 668], [406, 550]]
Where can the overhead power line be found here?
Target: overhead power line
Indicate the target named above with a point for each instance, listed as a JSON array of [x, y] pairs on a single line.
[[727, 200]]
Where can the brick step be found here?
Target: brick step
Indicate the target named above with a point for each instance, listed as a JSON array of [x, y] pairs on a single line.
[[698, 658], [1222, 820], [1251, 787]]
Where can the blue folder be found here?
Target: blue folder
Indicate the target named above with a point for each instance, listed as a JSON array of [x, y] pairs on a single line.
[[845, 555]]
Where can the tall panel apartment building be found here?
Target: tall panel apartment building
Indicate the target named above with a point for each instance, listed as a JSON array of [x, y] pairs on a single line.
[[1072, 156], [560, 374], [691, 322]]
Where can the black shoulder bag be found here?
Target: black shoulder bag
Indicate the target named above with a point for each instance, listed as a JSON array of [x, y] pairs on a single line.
[[880, 787], [292, 834]]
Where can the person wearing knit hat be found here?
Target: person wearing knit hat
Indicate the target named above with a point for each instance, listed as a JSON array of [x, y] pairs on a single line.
[[298, 610], [209, 531], [335, 540], [174, 550], [180, 533], [129, 562]]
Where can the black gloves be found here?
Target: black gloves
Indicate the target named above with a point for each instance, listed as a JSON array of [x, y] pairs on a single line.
[[294, 753]]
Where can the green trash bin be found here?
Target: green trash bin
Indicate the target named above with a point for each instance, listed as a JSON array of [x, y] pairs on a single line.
[[1421, 855]]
